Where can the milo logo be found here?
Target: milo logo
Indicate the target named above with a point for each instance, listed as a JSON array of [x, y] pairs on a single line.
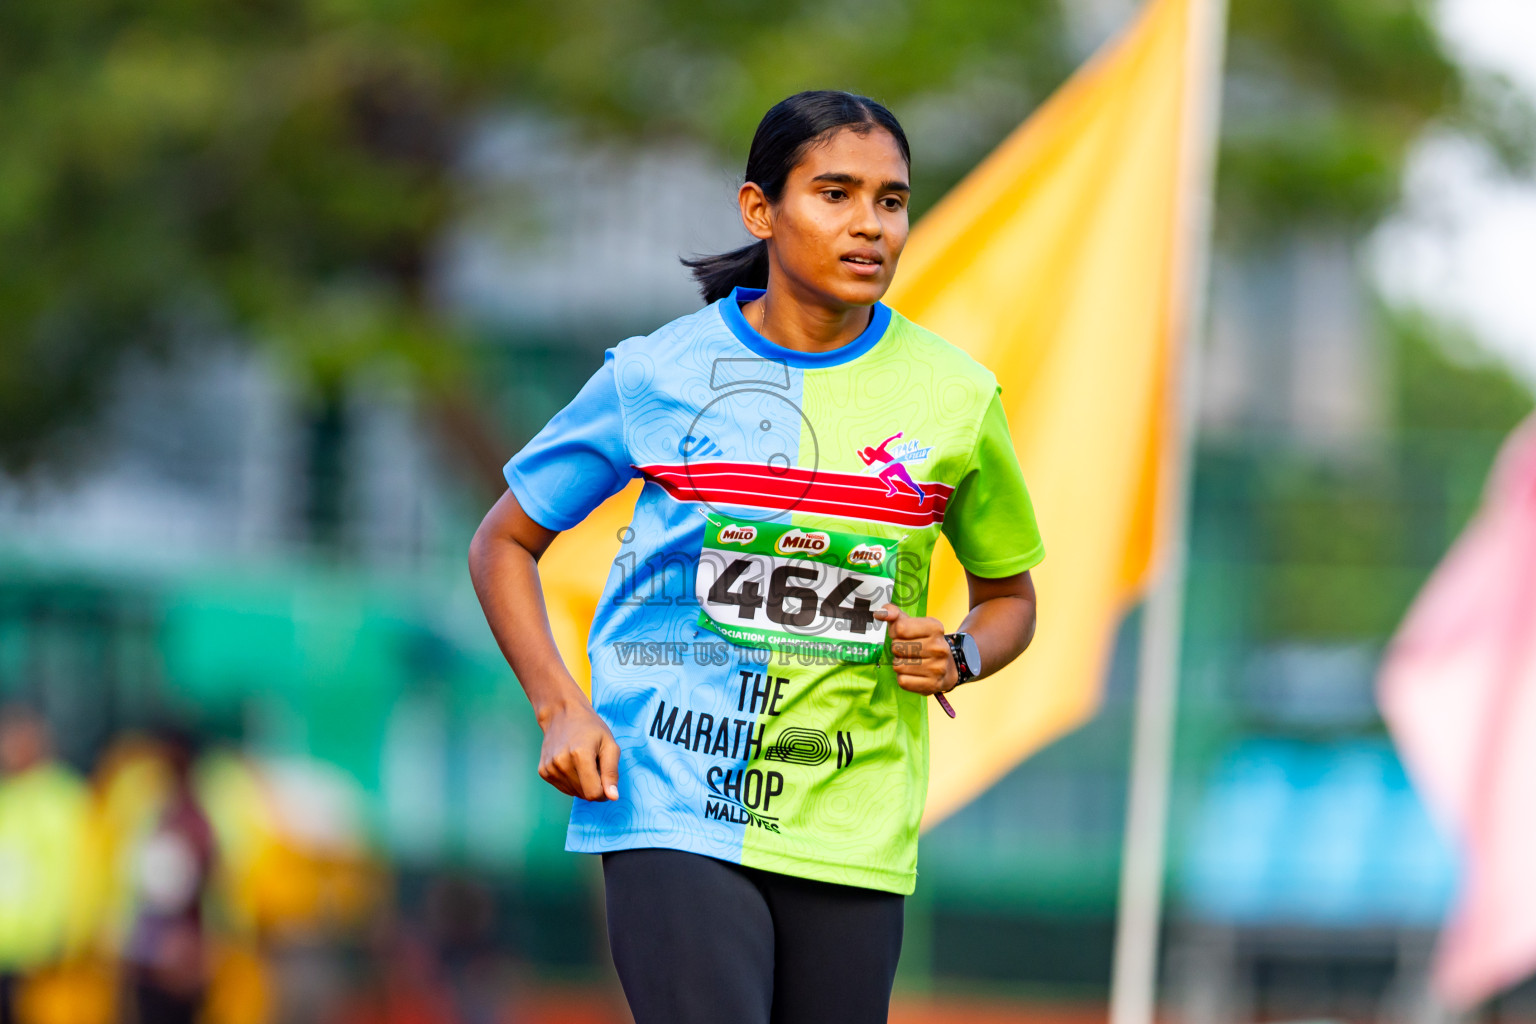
[[798, 542], [735, 534], [871, 555]]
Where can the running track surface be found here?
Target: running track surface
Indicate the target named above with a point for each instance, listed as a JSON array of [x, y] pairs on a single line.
[[587, 1007]]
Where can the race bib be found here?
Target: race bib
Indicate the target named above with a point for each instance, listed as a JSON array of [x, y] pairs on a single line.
[[792, 589]]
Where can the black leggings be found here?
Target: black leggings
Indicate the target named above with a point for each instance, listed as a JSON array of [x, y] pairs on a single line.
[[700, 941]]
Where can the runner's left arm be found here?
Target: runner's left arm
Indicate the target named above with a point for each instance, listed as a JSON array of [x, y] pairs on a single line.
[[990, 521], [1001, 619]]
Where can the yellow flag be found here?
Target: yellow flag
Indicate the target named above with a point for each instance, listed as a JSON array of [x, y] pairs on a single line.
[[1057, 263]]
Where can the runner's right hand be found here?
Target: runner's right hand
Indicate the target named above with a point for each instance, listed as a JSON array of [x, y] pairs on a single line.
[[580, 757]]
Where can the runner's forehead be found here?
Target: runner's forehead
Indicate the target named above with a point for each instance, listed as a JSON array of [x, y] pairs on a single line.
[[868, 158]]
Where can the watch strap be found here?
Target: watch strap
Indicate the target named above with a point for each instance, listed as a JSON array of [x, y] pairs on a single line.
[[963, 667]]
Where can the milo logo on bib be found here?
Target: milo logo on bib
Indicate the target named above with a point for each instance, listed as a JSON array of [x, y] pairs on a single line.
[[798, 542], [786, 588], [867, 554], [738, 534]]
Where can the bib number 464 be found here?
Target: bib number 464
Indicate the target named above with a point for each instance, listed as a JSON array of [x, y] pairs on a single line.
[[793, 598]]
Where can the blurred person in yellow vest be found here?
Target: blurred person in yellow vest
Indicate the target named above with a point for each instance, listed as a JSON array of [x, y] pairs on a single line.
[[271, 882], [44, 815], [141, 779], [167, 956]]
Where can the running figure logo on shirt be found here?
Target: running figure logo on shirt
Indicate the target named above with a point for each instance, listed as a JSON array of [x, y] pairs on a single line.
[[895, 470]]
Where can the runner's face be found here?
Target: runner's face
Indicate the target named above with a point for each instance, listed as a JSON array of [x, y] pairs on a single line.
[[841, 222]]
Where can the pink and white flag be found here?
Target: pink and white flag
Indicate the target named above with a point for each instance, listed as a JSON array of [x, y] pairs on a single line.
[[1458, 691]]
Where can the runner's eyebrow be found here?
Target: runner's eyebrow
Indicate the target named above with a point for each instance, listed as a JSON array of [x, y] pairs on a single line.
[[854, 181]]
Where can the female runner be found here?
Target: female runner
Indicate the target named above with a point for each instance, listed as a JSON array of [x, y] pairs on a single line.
[[753, 762]]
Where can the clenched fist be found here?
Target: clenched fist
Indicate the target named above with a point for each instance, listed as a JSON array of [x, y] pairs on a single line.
[[919, 652], [579, 756]]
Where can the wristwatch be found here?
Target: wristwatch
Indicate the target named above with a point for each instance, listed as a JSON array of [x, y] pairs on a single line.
[[962, 647]]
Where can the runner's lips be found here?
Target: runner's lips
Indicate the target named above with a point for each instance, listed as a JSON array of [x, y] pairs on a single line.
[[851, 261]]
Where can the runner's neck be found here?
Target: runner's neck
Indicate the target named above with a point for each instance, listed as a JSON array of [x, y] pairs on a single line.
[[805, 327]]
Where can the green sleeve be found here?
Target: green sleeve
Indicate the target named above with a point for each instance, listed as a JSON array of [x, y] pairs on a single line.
[[990, 520]]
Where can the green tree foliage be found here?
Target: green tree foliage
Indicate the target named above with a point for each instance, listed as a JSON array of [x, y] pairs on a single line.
[[178, 167], [1445, 383], [1324, 99], [280, 169]]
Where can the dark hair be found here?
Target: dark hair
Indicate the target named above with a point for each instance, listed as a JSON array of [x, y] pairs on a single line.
[[783, 136]]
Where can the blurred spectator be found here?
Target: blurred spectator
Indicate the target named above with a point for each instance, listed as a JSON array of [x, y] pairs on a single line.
[[461, 919], [44, 810], [167, 954]]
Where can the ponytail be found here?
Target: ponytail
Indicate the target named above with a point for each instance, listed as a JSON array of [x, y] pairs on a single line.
[[783, 136], [719, 275]]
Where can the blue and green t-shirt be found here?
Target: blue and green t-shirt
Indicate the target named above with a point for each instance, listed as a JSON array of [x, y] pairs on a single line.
[[734, 652]]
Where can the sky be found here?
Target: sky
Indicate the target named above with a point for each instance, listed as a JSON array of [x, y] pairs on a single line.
[[1463, 245]]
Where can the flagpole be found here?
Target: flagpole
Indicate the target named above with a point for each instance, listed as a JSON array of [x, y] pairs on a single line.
[[1133, 985]]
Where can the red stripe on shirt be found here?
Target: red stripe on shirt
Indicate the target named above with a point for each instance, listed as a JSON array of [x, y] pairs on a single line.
[[844, 495]]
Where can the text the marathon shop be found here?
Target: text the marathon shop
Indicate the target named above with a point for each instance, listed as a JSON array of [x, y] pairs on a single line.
[[746, 795]]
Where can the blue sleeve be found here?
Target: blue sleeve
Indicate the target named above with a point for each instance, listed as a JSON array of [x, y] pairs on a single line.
[[578, 461]]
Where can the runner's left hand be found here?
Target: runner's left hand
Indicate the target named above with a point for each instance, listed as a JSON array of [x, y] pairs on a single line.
[[919, 652]]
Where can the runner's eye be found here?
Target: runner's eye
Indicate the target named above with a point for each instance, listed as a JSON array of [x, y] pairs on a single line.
[[834, 193], [893, 203]]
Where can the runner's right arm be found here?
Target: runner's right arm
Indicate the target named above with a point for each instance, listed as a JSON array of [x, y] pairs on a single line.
[[579, 756]]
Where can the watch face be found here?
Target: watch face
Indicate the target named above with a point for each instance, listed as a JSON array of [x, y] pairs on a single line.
[[972, 653]]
